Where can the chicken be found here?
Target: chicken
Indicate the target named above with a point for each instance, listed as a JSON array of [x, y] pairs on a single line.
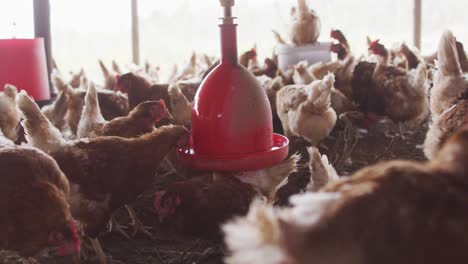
[[344, 73], [302, 75], [340, 37], [181, 107], [91, 118], [247, 56], [270, 69], [287, 76], [57, 111], [412, 60], [395, 212], [34, 204], [450, 82], [306, 25], [109, 79], [321, 171], [394, 92], [112, 105], [140, 90], [9, 114], [102, 176], [201, 204], [305, 111]]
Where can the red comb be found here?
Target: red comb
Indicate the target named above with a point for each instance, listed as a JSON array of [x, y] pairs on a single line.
[[332, 33], [161, 101], [375, 42]]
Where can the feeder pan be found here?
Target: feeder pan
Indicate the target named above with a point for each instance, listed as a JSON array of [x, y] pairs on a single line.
[[232, 127]]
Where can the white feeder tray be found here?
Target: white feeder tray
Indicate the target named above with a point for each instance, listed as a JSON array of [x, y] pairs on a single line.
[[289, 56]]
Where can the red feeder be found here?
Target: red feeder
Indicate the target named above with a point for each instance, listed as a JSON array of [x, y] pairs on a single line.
[[232, 128], [23, 64]]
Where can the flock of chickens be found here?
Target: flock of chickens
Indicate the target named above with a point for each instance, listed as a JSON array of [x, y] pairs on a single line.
[[68, 167]]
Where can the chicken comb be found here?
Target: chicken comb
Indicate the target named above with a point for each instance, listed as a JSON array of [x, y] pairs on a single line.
[[163, 103], [374, 43]]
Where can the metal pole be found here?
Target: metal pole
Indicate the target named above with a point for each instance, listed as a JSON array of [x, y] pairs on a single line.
[[135, 33], [42, 30], [417, 23]]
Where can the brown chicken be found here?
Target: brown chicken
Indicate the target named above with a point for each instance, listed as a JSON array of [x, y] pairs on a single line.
[[112, 105], [394, 92], [35, 214], [9, 114], [340, 37], [450, 94], [109, 78], [199, 206], [344, 74], [140, 90], [395, 212], [105, 173], [57, 111], [305, 111], [247, 56], [412, 60], [270, 69], [306, 25]]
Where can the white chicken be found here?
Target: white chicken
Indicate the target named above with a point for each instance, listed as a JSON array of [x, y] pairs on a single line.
[[305, 111]]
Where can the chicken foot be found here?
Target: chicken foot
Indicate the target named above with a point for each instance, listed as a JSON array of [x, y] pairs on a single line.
[[115, 226], [137, 224]]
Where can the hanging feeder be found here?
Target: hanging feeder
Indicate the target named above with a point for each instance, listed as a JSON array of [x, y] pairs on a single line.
[[232, 128]]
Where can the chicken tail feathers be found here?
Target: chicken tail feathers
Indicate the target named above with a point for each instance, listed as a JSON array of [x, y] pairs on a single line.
[[91, 114], [321, 171], [320, 94], [39, 130], [448, 62], [104, 69]]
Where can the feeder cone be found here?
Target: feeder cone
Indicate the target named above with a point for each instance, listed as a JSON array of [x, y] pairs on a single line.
[[232, 127]]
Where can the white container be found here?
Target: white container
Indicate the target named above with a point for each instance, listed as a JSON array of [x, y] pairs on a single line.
[[289, 56]]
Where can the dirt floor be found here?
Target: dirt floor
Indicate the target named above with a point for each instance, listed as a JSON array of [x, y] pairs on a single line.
[[360, 149]]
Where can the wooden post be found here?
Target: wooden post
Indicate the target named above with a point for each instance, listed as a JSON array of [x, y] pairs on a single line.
[[135, 33], [417, 23], [42, 30]]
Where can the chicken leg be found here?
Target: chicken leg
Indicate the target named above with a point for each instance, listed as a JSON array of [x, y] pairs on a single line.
[[137, 224], [115, 226]]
